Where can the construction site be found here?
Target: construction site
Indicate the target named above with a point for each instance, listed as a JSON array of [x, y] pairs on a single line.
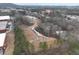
[[34, 37], [7, 36]]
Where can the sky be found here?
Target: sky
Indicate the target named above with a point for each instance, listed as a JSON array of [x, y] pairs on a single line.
[[56, 4], [42, 2]]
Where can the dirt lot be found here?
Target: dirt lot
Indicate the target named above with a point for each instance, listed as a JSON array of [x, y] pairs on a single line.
[[35, 40], [10, 43]]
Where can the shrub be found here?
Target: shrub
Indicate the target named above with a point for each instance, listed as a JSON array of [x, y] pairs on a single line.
[[43, 46]]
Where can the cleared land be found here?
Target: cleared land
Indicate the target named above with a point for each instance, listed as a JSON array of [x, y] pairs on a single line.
[[33, 38], [10, 43]]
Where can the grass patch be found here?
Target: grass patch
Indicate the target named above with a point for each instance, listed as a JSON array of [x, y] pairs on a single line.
[[21, 44], [43, 45]]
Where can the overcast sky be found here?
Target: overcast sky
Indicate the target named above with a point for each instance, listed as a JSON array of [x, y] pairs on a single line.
[[57, 4], [43, 2]]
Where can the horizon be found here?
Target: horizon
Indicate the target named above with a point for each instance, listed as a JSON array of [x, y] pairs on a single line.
[[48, 4]]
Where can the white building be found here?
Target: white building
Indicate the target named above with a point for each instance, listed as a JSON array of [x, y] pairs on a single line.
[[2, 42], [5, 25], [4, 18]]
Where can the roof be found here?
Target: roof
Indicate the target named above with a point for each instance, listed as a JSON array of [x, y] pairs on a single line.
[[4, 17], [31, 17], [3, 25], [2, 39]]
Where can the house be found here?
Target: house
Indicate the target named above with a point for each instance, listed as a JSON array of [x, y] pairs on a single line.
[[62, 34]]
